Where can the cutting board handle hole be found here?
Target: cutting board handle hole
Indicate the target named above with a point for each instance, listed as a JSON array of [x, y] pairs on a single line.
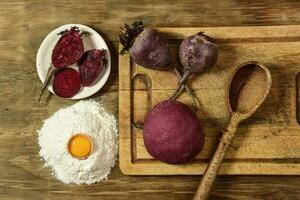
[[298, 98], [141, 99]]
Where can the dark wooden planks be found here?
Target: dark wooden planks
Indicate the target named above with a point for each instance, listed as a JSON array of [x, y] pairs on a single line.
[[23, 25]]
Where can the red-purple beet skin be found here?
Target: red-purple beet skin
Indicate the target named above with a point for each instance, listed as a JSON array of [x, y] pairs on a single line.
[[151, 50], [173, 133], [198, 52], [90, 65], [147, 47]]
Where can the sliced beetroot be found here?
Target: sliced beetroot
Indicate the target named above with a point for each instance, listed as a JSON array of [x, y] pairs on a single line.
[[66, 83], [90, 65], [69, 48]]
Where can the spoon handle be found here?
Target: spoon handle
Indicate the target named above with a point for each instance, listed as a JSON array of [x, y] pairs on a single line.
[[210, 174]]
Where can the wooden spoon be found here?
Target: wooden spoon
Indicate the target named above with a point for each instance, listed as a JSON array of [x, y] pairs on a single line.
[[248, 88]]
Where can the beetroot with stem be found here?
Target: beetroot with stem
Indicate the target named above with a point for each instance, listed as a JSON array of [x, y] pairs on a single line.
[[172, 132], [66, 83], [197, 53], [146, 46], [149, 49], [90, 65]]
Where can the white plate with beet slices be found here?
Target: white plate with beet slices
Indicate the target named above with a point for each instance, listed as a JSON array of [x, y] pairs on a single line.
[[91, 41]]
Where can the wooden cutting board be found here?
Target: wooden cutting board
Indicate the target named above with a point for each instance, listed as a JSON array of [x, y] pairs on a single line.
[[266, 143]]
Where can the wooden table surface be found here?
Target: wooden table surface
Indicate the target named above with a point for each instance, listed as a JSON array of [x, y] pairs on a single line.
[[24, 24]]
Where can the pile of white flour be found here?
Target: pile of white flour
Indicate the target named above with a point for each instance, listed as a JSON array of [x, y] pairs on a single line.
[[86, 117]]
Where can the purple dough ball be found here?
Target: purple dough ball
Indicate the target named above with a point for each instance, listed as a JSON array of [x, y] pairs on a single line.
[[173, 133]]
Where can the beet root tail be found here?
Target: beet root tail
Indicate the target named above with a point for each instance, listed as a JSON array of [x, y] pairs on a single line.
[[181, 83], [50, 74]]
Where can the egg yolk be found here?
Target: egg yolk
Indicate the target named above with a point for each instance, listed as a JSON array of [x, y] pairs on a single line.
[[80, 146]]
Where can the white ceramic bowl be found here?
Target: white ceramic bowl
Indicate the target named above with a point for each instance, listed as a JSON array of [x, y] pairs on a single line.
[[92, 41]]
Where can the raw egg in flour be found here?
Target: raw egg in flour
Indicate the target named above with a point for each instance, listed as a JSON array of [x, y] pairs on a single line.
[[80, 146]]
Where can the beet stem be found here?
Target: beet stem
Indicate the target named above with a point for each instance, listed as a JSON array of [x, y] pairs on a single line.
[[50, 74], [193, 95], [189, 90], [206, 37], [180, 85], [84, 33], [177, 92]]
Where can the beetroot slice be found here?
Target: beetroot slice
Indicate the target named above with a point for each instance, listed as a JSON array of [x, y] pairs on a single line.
[[66, 83], [90, 65], [69, 48]]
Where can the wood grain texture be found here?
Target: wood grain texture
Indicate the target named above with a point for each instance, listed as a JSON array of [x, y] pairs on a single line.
[[24, 24], [249, 87], [252, 151]]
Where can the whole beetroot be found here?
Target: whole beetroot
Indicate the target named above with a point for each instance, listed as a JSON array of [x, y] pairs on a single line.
[[147, 47], [172, 132], [90, 65], [197, 53]]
